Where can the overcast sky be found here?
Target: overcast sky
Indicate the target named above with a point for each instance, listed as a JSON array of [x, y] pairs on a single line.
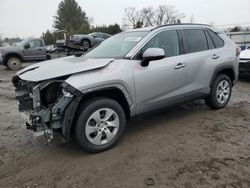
[[26, 18]]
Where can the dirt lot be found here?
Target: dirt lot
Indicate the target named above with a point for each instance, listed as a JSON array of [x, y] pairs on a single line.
[[187, 146]]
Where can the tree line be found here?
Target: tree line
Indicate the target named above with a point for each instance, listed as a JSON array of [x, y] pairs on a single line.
[[72, 18]]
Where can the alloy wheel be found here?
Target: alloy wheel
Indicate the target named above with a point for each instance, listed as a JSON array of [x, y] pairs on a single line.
[[102, 126], [223, 92]]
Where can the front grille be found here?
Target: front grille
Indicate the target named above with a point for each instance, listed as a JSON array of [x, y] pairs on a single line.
[[244, 60], [244, 67]]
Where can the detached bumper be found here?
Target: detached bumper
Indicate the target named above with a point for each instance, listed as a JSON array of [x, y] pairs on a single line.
[[244, 68]]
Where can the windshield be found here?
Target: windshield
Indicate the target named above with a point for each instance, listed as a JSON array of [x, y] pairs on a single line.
[[92, 34], [117, 46], [22, 43]]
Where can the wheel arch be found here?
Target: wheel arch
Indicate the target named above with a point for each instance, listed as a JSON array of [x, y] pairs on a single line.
[[12, 54], [86, 40], [227, 70], [73, 110]]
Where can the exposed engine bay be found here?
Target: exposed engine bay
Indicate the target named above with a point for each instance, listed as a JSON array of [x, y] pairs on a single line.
[[42, 104]]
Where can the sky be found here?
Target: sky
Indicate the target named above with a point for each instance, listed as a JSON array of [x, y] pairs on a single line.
[[25, 18]]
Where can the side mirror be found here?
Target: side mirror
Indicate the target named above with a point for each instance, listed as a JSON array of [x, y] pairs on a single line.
[[26, 46], [152, 54]]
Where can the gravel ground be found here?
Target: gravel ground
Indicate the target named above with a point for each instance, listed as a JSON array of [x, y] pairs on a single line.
[[186, 146]]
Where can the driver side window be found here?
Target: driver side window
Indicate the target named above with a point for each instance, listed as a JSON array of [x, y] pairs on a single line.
[[35, 44], [166, 40]]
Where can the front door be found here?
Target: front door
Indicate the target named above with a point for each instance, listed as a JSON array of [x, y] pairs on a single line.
[[162, 82], [36, 50]]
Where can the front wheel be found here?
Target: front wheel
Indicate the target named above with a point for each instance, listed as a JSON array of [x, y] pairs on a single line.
[[220, 93], [100, 124], [14, 63]]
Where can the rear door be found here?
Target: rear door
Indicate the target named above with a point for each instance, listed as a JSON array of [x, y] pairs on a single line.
[[200, 62], [37, 50]]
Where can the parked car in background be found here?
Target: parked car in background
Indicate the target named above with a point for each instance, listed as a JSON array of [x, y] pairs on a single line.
[[134, 72], [31, 49], [50, 48], [244, 65], [90, 40]]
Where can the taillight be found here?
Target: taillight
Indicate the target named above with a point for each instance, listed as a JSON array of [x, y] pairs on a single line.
[[238, 50]]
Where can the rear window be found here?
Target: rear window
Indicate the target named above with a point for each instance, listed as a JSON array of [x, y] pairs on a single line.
[[195, 40], [210, 43], [218, 42]]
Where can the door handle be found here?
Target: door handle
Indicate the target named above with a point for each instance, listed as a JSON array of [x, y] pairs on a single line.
[[215, 56], [40, 49], [180, 66]]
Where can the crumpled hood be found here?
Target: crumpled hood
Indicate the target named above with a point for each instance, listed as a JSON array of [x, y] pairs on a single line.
[[245, 54], [60, 67]]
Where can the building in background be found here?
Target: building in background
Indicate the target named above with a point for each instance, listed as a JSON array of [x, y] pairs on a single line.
[[10, 41], [242, 38]]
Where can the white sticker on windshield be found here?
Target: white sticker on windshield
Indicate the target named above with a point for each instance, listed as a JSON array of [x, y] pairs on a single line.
[[133, 39]]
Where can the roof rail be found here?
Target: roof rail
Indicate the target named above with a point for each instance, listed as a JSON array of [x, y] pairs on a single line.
[[180, 24]]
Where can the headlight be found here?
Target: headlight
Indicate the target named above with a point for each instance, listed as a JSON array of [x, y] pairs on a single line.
[[75, 38]]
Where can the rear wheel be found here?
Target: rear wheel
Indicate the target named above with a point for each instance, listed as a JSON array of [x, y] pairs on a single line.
[[14, 63], [220, 93], [100, 125]]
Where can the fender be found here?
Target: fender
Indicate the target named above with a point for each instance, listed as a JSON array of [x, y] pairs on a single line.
[[109, 86], [15, 53], [71, 110], [221, 68]]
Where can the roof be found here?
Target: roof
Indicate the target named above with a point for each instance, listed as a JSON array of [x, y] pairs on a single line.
[[171, 25], [183, 24]]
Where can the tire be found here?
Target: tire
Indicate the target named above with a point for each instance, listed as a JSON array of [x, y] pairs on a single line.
[[13, 63], [95, 134], [221, 92], [85, 44]]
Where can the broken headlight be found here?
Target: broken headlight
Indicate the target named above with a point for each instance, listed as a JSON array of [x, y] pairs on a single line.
[[68, 89]]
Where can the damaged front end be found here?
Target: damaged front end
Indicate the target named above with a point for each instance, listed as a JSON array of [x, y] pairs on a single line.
[[43, 104]]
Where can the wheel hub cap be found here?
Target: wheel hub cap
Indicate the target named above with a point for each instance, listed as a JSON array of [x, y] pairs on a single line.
[[102, 126], [223, 92]]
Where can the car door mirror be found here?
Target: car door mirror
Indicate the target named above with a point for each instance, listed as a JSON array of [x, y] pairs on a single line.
[[26, 46], [152, 54]]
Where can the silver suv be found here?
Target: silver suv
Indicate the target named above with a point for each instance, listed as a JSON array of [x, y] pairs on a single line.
[[131, 73]]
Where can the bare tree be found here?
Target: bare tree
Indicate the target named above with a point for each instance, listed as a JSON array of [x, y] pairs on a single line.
[[132, 18], [148, 16]]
